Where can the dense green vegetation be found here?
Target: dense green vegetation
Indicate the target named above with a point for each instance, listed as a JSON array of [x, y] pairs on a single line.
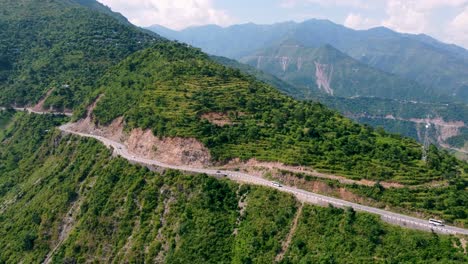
[[447, 202], [124, 211], [69, 193], [441, 200], [327, 235], [117, 211], [53, 44], [169, 87]]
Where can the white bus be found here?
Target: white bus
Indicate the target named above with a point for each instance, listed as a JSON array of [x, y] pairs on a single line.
[[436, 222]]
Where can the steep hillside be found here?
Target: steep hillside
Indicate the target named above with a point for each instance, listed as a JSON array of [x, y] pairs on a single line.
[[447, 122], [215, 39], [176, 91], [416, 57], [329, 71], [51, 46], [67, 200]]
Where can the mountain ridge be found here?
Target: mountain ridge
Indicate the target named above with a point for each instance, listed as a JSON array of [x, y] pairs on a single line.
[[400, 54]]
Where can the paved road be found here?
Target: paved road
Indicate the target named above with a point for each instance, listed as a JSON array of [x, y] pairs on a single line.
[[394, 218], [30, 110]]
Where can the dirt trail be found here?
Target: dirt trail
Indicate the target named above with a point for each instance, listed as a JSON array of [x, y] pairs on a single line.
[[40, 105], [242, 205], [292, 231]]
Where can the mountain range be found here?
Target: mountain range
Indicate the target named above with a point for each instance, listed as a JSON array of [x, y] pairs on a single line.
[[420, 58]]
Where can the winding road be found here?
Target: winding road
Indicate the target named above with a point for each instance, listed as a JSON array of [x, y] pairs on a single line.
[[302, 195]]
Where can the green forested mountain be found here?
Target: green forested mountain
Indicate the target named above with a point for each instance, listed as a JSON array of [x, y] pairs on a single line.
[[169, 87], [64, 45], [69, 194]]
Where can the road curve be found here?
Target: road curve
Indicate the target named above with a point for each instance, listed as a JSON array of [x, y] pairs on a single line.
[[302, 195]]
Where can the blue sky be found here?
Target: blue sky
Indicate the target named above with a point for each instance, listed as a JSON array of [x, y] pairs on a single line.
[[446, 20]]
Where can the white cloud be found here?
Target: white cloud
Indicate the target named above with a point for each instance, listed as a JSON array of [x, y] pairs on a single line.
[[458, 29], [348, 3], [413, 16], [406, 16], [357, 21], [175, 14], [425, 5]]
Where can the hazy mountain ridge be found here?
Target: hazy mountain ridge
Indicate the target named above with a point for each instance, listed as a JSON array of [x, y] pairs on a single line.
[[432, 63], [327, 67]]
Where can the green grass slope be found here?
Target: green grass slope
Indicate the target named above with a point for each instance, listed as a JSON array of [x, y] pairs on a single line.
[[169, 87], [61, 44]]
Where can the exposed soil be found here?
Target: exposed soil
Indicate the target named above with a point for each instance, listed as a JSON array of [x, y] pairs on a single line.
[[463, 244], [170, 150], [168, 201], [39, 107], [174, 151], [69, 220], [242, 205]]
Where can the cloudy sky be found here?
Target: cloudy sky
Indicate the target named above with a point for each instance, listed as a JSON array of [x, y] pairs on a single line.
[[446, 20]]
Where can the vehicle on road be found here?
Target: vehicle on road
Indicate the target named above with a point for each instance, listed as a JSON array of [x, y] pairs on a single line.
[[436, 222], [276, 184], [222, 174]]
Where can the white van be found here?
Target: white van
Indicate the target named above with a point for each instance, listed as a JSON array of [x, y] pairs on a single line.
[[276, 184]]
